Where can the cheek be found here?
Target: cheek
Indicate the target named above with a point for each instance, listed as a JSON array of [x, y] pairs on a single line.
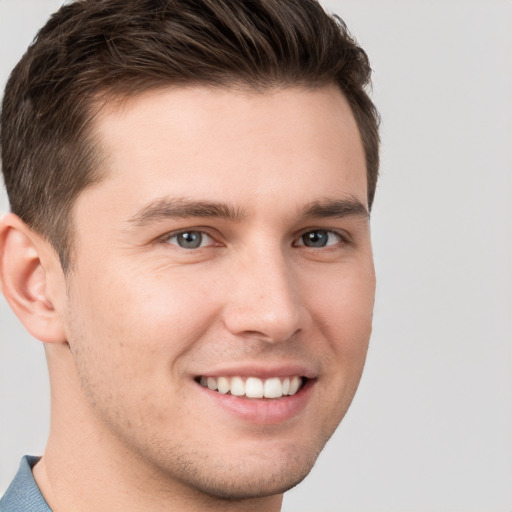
[[136, 332], [344, 303], [130, 336], [145, 309], [343, 311]]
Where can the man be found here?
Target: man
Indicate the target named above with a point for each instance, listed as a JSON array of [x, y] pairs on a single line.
[[190, 185]]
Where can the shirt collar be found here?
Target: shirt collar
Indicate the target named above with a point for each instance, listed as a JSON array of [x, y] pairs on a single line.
[[23, 495]]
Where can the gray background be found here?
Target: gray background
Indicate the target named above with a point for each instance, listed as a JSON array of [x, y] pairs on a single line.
[[431, 425]]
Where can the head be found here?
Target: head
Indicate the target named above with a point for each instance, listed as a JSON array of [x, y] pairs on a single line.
[[193, 181]]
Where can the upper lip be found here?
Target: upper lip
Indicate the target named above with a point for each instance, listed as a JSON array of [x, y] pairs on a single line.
[[261, 371]]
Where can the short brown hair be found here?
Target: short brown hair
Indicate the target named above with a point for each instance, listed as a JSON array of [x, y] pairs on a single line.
[[119, 48]]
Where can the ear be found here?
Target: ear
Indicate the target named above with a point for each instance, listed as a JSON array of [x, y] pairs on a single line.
[[32, 280]]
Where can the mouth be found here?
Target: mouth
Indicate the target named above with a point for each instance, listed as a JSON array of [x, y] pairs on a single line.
[[254, 387], [260, 396]]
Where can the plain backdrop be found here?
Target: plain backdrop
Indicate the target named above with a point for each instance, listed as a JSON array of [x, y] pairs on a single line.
[[431, 425]]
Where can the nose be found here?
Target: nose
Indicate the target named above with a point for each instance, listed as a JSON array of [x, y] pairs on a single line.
[[265, 300]]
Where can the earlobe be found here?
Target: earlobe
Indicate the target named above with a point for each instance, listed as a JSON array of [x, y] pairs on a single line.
[[25, 271]]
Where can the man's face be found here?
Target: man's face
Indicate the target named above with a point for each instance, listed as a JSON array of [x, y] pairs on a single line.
[[228, 246]]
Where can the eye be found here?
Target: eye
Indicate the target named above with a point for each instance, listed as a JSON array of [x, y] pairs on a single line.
[[319, 238], [190, 239]]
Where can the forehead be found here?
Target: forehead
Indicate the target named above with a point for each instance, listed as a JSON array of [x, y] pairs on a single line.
[[238, 144]]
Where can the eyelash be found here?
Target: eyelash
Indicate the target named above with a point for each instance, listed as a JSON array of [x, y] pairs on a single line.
[[202, 234], [299, 241]]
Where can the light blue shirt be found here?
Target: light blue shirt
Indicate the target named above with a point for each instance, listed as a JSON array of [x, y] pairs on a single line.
[[23, 495]]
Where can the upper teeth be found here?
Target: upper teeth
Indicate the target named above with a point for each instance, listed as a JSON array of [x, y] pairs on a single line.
[[253, 387]]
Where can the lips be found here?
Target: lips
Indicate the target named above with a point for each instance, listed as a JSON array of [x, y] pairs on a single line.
[[253, 387], [270, 394]]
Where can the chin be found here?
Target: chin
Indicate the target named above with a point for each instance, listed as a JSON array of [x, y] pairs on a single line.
[[248, 485], [255, 476]]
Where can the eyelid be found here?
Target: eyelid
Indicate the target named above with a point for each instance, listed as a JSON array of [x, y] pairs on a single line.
[[204, 232], [344, 238]]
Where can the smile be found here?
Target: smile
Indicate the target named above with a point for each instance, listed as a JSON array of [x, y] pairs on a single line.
[[254, 387]]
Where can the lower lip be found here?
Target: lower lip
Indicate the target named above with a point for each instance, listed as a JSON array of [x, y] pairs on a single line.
[[262, 411]]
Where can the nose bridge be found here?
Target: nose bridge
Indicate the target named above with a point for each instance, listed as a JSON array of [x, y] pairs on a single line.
[[266, 302]]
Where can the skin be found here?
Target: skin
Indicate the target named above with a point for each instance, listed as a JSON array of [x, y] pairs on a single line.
[[139, 318]]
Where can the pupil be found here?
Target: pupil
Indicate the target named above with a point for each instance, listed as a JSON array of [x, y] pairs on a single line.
[[315, 239], [190, 239]]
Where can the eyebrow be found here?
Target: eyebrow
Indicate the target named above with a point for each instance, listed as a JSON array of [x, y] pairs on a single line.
[[337, 208], [166, 208]]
